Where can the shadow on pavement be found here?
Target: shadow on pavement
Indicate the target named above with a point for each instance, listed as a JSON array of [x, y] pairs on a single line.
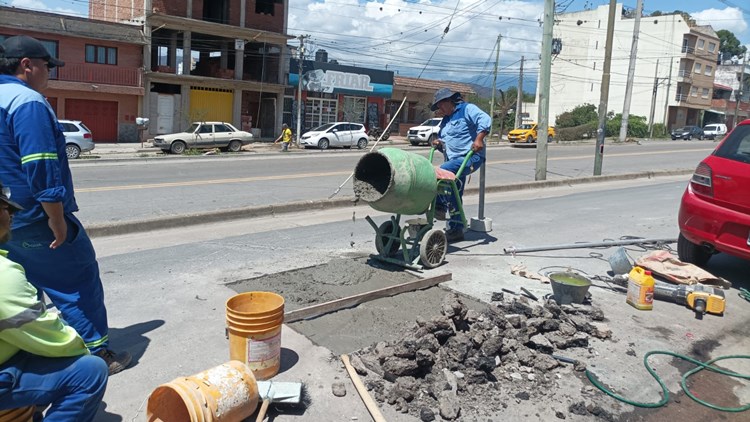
[[133, 338]]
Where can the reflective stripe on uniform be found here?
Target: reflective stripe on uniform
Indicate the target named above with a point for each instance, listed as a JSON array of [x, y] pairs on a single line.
[[97, 343], [24, 317], [39, 156]]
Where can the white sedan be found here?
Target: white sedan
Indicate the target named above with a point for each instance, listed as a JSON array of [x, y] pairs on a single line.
[[204, 135], [338, 134]]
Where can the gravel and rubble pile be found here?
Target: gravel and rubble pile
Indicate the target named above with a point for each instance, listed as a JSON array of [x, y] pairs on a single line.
[[465, 362]]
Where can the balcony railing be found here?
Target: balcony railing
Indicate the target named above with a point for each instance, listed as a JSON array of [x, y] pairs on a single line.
[[680, 97], [688, 49], [99, 74]]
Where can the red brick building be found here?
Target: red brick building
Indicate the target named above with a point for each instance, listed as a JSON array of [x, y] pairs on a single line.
[[101, 83], [209, 60]]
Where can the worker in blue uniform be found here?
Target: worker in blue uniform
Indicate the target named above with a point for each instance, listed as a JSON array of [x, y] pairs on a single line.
[[462, 130], [48, 240]]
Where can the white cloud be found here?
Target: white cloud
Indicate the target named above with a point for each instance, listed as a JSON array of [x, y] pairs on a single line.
[[41, 6], [403, 35], [730, 19]]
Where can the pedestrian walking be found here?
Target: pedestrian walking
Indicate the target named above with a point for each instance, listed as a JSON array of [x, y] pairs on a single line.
[[462, 130], [285, 138], [42, 361], [48, 240]]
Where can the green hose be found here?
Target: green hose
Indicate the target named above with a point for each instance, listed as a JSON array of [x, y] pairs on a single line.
[[665, 392], [745, 294]]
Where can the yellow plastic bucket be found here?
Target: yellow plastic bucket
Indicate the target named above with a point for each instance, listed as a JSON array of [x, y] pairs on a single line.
[[254, 322], [20, 414], [225, 393]]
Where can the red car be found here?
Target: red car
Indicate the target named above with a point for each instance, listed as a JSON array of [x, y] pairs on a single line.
[[715, 210]]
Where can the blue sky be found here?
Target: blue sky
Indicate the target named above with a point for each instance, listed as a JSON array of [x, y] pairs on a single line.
[[407, 36]]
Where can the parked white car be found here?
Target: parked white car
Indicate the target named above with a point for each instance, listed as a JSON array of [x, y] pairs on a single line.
[[337, 134], [715, 130], [78, 138], [204, 135], [424, 133]]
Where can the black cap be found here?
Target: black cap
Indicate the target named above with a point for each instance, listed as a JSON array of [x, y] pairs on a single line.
[[22, 46], [5, 197]]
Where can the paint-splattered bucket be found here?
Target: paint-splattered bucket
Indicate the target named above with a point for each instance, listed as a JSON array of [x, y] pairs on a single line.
[[254, 322]]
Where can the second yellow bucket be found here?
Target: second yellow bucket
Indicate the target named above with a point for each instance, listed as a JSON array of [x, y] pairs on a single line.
[[254, 322]]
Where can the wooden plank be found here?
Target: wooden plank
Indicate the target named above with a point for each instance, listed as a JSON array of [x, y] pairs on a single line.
[[370, 404], [347, 302]]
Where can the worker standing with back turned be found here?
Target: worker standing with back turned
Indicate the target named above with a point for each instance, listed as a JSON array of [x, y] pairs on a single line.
[[462, 130], [48, 240]]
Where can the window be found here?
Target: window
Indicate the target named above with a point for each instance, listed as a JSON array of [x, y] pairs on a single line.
[[264, 7], [711, 47], [221, 128], [701, 43], [694, 91], [100, 54], [704, 93], [206, 129], [697, 68], [709, 70]]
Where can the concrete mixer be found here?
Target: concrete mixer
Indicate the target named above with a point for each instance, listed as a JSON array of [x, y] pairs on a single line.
[[403, 183]]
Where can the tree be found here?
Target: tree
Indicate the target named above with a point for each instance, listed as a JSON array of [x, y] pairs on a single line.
[[582, 114], [729, 44]]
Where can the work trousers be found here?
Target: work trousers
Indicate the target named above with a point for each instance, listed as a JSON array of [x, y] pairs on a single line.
[[449, 201], [68, 275], [73, 387]]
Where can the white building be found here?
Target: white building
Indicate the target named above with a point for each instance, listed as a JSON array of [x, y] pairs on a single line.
[[681, 58]]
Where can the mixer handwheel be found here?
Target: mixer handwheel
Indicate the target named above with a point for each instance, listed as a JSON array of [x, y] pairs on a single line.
[[387, 228], [432, 248]]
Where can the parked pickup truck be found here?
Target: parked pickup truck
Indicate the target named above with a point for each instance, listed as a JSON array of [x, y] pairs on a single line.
[[425, 132], [526, 133]]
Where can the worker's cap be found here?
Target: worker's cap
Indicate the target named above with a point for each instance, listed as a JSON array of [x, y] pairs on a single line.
[[5, 197], [284, 125], [444, 94], [22, 46]]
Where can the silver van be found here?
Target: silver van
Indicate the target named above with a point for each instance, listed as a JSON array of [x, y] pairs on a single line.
[[715, 130]]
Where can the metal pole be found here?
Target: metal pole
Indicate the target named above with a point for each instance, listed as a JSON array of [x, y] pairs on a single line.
[[653, 101], [666, 101], [299, 90], [492, 125], [519, 99], [544, 82], [631, 72], [604, 93], [584, 245], [738, 96]]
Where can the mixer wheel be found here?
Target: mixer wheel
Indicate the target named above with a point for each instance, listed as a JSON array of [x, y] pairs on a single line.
[[387, 228], [432, 248]]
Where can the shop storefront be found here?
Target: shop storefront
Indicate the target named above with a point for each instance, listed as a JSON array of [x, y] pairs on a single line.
[[336, 93]]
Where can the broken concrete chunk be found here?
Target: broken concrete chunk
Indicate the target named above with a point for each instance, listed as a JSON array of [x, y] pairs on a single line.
[[545, 362], [406, 348], [516, 320], [426, 414], [539, 342], [371, 364], [338, 389], [394, 367], [358, 365], [449, 405], [492, 346], [424, 358], [601, 330]]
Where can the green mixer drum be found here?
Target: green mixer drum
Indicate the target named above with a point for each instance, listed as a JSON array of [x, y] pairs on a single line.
[[395, 181]]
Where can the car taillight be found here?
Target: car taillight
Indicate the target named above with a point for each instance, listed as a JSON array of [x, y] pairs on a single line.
[[86, 136], [701, 180]]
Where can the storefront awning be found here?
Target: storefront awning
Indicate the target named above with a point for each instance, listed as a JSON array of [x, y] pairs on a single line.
[[715, 111]]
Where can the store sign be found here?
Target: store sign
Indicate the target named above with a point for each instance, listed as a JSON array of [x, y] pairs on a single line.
[[337, 79]]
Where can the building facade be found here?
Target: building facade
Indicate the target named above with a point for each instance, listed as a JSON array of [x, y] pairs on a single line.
[[101, 83], [674, 71], [419, 94], [209, 60], [731, 97]]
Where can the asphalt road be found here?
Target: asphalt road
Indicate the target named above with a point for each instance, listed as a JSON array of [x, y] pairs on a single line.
[[165, 293], [115, 191]]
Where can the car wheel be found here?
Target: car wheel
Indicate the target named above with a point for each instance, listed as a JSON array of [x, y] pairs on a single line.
[[431, 139], [689, 137], [362, 143], [414, 143], [177, 147], [235, 146], [72, 151], [323, 143], [700, 137], [691, 253], [533, 140]]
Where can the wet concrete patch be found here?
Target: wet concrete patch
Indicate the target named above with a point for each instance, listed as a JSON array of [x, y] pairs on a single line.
[[351, 329]]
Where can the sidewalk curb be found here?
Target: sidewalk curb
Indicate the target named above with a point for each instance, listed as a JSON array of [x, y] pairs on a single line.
[[168, 222]]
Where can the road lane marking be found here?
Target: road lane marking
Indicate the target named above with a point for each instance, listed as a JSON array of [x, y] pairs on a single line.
[[343, 173]]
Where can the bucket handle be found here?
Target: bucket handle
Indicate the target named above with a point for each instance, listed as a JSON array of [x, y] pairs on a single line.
[[463, 164]]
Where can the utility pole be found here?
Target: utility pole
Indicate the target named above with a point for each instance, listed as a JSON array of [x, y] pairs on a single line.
[[301, 55], [653, 101], [545, 68], [738, 95], [604, 93], [631, 72], [666, 101], [519, 99], [480, 224]]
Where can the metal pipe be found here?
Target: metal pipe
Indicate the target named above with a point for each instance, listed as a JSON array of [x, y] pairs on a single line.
[[513, 250]]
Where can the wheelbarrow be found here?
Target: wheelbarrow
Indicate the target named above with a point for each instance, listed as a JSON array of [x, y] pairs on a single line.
[[403, 183]]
